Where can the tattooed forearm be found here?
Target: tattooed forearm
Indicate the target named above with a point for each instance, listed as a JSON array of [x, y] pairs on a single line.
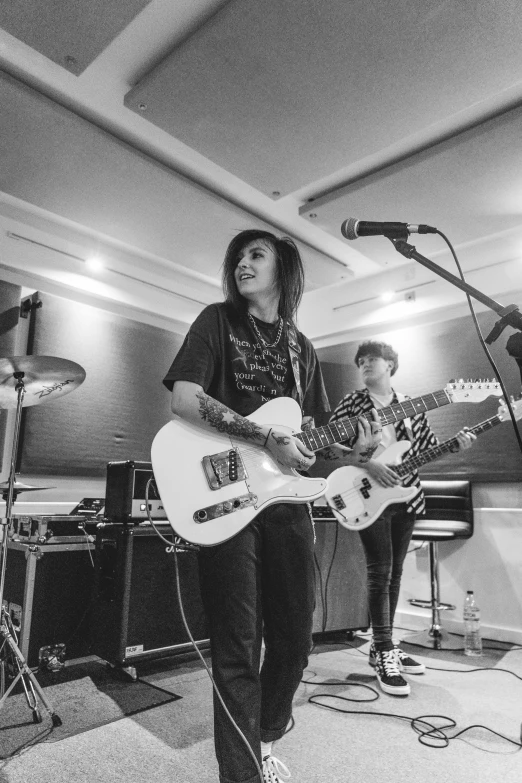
[[225, 420], [329, 455], [281, 440], [366, 455]]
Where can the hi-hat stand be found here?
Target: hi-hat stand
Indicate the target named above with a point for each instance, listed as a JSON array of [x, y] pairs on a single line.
[[11, 658], [25, 381]]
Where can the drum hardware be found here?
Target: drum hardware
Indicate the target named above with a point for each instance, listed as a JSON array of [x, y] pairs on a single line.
[[19, 486], [25, 381]]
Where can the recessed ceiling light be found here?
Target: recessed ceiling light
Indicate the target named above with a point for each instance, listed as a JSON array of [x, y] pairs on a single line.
[[94, 263]]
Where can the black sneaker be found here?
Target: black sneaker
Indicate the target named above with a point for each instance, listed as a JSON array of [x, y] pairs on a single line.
[[388, 673], [407, 664]]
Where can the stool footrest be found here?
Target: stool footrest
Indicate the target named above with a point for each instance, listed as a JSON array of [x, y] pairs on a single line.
[[435, 639], [429, 604]]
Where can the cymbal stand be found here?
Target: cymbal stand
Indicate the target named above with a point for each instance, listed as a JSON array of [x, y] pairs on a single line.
[[9, 650]]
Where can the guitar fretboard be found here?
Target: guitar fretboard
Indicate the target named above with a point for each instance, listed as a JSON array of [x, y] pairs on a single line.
[[346, 429], [437, 451]]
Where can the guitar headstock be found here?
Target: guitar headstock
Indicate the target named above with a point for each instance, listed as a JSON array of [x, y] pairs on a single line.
[[503, 411], [472, 391]]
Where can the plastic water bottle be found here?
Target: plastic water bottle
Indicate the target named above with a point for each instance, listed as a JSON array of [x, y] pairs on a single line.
[[472, 639]]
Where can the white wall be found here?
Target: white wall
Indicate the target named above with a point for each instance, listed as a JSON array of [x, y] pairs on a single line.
[[490, 563]]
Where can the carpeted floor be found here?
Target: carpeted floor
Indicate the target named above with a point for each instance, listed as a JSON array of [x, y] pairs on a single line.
[[84, 696], [374, 742]]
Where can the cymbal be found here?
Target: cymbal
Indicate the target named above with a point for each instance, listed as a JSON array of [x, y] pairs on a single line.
[[19, 486], [46, 378]]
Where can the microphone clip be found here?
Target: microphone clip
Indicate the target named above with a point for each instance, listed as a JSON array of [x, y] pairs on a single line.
[[500, 325]]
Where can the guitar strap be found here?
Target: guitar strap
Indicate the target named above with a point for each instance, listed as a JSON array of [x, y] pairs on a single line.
[[295, 349], [403, 426]]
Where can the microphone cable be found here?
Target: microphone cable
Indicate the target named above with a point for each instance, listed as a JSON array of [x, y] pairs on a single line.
[[172, 548], [483, 342]]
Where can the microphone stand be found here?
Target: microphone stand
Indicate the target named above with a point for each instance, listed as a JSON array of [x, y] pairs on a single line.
[[509, 316]]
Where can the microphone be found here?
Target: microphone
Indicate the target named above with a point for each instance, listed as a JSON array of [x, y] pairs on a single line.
[[353, 228]]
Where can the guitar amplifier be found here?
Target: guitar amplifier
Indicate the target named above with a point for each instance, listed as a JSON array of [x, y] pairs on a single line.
[[341, 602], [126, 490], [136, 615]]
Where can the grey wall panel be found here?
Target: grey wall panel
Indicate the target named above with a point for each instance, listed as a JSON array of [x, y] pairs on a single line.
[[122, 403]]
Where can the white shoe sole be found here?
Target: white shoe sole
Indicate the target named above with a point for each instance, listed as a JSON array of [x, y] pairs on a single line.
[[401, 690], [412, 669]]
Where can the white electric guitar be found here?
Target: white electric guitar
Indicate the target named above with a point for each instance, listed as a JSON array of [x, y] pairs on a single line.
[[212, 485], [357, 499]]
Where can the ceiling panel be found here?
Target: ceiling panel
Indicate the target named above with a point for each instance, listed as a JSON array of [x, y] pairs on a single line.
[[469, 187], [61, 163], [71, 34], [282, 94]]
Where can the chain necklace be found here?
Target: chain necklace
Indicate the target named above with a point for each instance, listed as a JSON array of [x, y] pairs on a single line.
[[260, 337]]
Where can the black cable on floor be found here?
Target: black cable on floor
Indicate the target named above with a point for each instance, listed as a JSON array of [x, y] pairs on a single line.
[[428, 733]]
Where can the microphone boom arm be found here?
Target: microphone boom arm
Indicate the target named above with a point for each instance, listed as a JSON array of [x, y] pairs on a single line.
[[510, 315]]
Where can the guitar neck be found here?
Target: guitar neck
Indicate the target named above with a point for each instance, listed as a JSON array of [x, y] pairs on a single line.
[[346, 429], [443, 448]]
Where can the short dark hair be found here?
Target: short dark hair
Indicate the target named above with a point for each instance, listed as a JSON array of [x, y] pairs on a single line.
[[290, 270], [376, 348]]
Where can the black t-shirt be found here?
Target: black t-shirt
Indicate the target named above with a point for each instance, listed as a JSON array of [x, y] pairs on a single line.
[[223, 355]]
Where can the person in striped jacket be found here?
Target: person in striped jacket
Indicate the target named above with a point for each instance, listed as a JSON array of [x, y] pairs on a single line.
[[386, 541]]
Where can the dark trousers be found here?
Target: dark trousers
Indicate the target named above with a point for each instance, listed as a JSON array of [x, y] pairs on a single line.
[[385, 545], [260, 584]]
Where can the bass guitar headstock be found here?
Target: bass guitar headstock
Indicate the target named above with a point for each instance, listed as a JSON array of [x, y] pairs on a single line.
[[503, 411]]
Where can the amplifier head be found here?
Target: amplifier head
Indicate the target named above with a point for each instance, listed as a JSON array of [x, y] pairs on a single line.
[[126, 490]]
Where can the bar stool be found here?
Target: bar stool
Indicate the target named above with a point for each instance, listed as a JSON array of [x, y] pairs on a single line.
[[449, 516]]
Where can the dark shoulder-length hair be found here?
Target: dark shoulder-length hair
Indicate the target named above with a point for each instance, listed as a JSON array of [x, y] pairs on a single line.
[[290, 271]]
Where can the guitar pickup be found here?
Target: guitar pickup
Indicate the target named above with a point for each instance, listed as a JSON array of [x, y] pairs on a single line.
[[365, 488], [222, 509], [223, 468], [338, 502]]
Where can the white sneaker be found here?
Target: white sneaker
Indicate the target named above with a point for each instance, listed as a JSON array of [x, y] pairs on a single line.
[[274, 770]]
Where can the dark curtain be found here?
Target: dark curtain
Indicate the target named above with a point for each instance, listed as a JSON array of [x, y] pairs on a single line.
[[120, 406]]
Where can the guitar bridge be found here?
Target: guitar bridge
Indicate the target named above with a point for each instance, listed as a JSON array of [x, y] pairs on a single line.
[[222, 509], [223, 468]]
